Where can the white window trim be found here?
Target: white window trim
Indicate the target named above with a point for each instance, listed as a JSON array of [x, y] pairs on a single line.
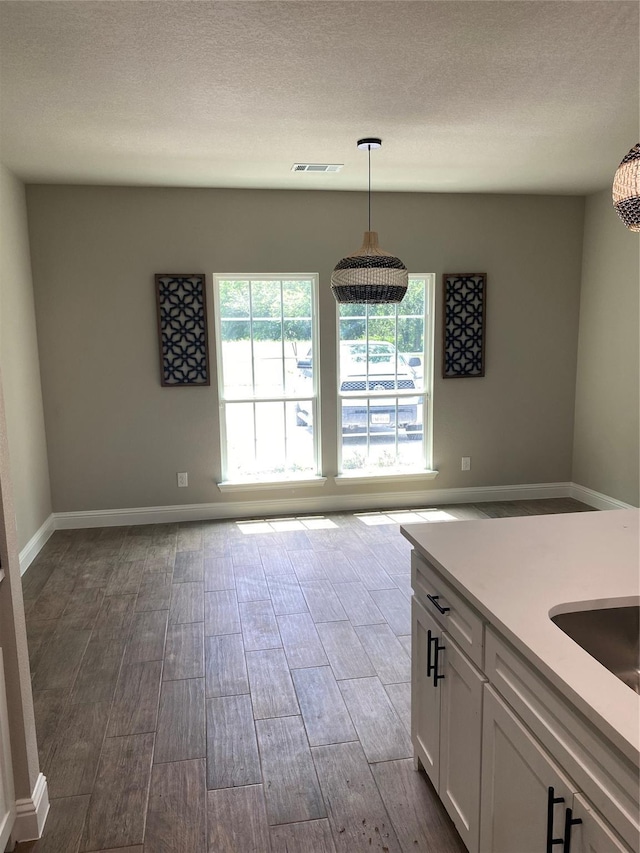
[[428, 472], [318, 479], [348, 479], [250, 486]]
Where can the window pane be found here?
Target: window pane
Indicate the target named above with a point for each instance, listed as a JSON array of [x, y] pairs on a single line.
[[264, 440], [384, 309], [352, 309], [235, 328], [374, 366], [240, 432], [352, 329], [270, 437], [382, 413], [414, 301], [234, 299], [266, 299], [300, 437], [237, 366], [382, 329], [382, 435], [296, 307], [411, 347], [267, 359], [382, 350], [265, 330], [296, 298]]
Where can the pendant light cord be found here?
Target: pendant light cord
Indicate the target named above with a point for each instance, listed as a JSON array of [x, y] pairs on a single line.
[[369, 149]]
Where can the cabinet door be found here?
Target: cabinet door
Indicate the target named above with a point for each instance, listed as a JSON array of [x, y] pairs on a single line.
[[516, 776], [460, 740], [425, 698], [7, 799], [592, 835]]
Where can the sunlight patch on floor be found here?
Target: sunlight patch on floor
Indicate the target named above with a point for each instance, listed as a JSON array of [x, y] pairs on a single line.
[[316, 522], [413, 516]]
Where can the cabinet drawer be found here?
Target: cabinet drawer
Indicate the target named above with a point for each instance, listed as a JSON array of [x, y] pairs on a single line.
[[459, 620], [607, 779]]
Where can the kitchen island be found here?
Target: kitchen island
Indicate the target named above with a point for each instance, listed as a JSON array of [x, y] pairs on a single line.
[[490, 668]]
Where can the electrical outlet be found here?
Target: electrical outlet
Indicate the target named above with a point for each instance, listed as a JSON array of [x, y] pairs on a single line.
[[183, 480], [466, 463]]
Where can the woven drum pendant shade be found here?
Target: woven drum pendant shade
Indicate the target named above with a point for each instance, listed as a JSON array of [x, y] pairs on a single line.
[[369, 275], [626, 189]]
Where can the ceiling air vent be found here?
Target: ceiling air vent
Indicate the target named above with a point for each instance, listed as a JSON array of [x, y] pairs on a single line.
[[317, 167]]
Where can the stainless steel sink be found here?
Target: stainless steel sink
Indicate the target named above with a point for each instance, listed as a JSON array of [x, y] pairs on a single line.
[[611, 636]]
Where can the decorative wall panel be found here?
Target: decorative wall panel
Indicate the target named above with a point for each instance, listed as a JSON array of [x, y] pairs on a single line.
[[182, 329], [463, 334]]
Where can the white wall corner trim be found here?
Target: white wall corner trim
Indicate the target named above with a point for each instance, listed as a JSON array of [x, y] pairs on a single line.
[[31, 813], [596, 499], [296, 505], [36, 543]]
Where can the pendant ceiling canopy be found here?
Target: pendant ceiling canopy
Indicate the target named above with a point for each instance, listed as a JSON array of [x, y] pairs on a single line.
[[370, 275]]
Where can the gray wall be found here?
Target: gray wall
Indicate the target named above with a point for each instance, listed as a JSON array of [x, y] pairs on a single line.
[[117, 438], [20, 366], [606, 442], [24, 477]]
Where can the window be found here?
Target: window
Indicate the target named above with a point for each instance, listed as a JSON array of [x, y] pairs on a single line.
[[266, 340], [384, 384]]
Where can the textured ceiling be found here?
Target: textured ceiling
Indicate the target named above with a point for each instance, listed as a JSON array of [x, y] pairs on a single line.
[[510, 95]]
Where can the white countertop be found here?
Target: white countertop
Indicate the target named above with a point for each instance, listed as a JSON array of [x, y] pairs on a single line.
[[514, 571]]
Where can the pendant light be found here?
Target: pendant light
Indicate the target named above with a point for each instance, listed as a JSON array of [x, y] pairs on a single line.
[[370, 275], [626, 189]]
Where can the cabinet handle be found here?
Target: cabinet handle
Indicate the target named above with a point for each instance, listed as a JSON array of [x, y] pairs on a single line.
[[430, 639], [434, 600], [436, 648], [551, 801], [569, 821]]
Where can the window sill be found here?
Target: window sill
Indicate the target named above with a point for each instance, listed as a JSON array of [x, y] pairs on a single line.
[[346, 479], [250, 486]]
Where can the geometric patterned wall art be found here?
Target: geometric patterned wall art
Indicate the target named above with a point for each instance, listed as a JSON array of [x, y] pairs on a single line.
[[182, 329], [463, 333]]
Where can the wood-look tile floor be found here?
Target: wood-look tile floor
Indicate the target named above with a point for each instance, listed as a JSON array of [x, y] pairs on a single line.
[[224, 687]]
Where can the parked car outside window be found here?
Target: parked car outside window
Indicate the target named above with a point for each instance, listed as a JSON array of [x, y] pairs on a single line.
[[372, 367]]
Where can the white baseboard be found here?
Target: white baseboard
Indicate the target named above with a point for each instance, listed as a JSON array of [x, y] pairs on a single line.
[[296, 505], [36, 543], [31, 813], [596, 499]]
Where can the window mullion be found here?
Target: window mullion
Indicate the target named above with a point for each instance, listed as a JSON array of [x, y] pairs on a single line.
[[282, 349], [255, 434], [253, 367], [395, 443], [286, 434], [395, 332]]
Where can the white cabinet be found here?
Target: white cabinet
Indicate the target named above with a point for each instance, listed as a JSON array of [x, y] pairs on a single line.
[[447, 721], [7, 798], [524, 792], [528, 802], [425, 698], [516, 769], [591, 835]]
